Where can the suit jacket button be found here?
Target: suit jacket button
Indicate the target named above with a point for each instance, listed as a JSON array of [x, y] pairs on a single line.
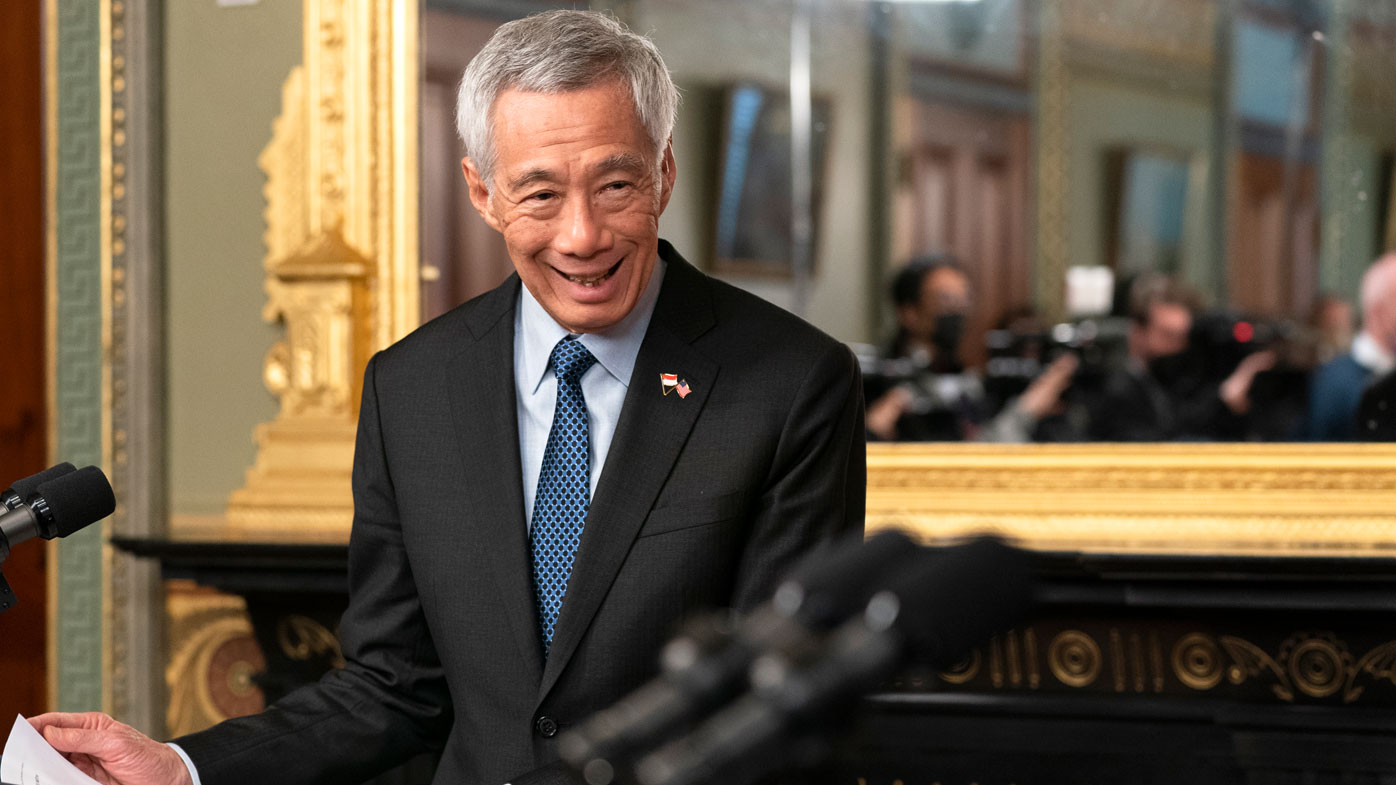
[[546, 727]]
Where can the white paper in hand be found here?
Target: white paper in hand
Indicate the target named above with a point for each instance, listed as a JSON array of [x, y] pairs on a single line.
[[29, 760]]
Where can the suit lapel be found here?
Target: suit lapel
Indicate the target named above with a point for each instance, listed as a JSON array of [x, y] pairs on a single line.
[[484, 414], [649, 437]]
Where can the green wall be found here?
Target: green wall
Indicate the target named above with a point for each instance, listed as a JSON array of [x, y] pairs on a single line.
[[78, 416], [1105, 116], [224, 67], [755, 45]]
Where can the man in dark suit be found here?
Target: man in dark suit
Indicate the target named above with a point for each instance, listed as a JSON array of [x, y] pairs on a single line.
[[1337, 387], [549, 477]]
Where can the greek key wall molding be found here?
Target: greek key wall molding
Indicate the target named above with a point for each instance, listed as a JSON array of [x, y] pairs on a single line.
[[103, 348], [79, 330]]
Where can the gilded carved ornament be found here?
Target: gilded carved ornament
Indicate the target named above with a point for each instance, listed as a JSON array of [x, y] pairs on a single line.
[[341, 260]]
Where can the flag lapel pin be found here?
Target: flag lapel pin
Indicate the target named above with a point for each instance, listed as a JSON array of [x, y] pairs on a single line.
[[667, 383], [682, 388]]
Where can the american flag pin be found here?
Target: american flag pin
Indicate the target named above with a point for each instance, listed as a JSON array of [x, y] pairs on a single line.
[[667, 383], [682, 389]]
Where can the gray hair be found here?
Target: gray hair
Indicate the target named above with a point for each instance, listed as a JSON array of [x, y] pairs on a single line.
[[557, 52]]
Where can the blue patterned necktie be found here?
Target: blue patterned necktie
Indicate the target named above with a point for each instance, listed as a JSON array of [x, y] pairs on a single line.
[[564, 486]]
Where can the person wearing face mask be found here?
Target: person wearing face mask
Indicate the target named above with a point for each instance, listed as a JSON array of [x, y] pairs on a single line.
[[924, 392], [1336, 389], [1157, 394]]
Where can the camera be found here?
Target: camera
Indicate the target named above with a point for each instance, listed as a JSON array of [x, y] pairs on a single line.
[[1221, 340], [1016, 356], [942, 403]]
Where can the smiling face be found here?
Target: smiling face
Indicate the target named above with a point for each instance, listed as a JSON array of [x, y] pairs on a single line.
[[577, 193]]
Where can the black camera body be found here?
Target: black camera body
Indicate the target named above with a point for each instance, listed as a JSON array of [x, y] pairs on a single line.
[[1279, 397], [1017, 357]]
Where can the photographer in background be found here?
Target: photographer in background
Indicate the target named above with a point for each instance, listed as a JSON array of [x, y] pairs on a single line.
[[1337, 386], [921, 391], [1158, 394]]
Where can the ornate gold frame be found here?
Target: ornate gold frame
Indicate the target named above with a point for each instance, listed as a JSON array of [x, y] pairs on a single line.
[[349, 213], [1235, 499]]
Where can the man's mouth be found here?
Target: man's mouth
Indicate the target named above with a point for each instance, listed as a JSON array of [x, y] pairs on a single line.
[[591, 281]]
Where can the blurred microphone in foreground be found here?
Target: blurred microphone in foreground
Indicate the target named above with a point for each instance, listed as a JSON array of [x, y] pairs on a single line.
[[734, 697], [53, 503], [706, 665], [17, 494]]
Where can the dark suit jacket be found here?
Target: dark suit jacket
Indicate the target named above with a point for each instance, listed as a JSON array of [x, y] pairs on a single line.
[[1335, 392], [704, 501], [1134, 407], [1376, 414]]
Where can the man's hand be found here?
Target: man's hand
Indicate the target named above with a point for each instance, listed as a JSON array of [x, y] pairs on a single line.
[[1043, 396], [1235, 392], [111, 753], [883, 413]]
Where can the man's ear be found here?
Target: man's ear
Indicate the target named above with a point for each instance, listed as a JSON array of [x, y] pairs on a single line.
[[667, 172], [479, 193]]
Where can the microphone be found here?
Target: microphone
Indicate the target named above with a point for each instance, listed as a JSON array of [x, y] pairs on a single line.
[[56, 506], [17, 494], [933, 612], [707, 664]]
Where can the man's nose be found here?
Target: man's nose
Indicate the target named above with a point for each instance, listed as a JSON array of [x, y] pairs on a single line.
[[582, 233]]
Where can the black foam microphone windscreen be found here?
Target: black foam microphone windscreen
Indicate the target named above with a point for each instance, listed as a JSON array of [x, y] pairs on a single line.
[[955, 600], [836, 582], [22, 490], [77, 499]]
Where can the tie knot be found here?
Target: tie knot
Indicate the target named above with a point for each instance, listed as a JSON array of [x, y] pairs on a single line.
[[570, 359]]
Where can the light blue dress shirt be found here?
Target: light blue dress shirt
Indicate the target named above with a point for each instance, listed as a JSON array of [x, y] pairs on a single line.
[[603, 385], [535, 385]]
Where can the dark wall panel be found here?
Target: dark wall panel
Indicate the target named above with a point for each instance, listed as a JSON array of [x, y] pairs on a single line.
[[23, 431]]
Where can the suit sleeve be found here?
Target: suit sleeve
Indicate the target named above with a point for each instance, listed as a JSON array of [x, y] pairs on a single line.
[[817, 486], [389, 702]]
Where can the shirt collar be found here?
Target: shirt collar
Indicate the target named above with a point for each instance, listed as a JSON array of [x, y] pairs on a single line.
[[1370, 355], [614, 349]]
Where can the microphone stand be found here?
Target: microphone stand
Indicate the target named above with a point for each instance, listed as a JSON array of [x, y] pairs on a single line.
[[7, 595], [28, 524]]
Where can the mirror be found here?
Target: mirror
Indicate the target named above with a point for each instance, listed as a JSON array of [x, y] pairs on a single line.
[[1015, 135], [1076, 160]]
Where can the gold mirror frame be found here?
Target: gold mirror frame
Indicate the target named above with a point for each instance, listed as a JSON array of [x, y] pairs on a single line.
[[1233, 499], [342, 199]]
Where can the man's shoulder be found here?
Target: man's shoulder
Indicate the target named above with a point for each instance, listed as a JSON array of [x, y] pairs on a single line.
[[447, 335], [1341, 373]]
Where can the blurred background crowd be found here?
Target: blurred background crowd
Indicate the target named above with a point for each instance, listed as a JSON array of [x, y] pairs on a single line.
[[1037, 220], [1159, 365]]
